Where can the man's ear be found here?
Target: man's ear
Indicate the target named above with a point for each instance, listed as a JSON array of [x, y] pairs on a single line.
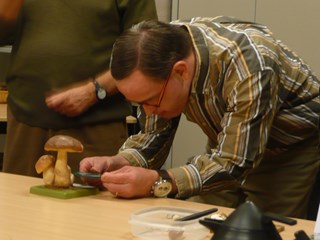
[[180, 69]]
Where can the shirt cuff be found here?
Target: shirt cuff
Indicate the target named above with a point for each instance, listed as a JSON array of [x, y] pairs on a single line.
[[134, 158], [188, 181]]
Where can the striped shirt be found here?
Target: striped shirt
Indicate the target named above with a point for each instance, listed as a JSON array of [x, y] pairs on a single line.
[[249, 93]]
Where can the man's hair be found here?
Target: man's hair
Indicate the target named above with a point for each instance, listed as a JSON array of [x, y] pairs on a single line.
[[152, 47]]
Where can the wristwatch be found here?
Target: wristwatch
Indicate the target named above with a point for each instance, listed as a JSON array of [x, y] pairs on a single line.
[[163, 186], [101, 93]]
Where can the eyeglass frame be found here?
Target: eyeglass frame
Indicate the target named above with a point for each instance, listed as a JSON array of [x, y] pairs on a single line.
[[163, 90]]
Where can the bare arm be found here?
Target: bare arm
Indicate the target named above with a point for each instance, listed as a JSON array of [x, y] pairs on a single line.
[[107, 82], [76, 99]]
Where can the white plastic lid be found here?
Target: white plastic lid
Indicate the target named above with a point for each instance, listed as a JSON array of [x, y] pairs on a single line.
[[159, 223]]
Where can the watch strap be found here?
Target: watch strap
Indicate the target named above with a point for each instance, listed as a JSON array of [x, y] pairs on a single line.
[[164, 175], [101, 93]]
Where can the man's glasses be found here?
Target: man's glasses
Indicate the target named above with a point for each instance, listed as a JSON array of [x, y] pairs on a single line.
[[163, 90]]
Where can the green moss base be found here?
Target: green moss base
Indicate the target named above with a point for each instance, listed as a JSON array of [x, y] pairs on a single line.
[[61, 193]]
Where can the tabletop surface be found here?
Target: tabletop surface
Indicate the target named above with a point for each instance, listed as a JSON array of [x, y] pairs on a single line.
[[3, 112], [28, 216]]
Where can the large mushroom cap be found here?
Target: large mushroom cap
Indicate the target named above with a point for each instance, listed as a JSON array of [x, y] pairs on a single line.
[[63, 142]]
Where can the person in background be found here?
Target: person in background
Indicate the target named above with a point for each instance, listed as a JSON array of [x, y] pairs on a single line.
[[58, 76], [256, 100]]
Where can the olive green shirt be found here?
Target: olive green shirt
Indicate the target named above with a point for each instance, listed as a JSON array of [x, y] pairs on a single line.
[[62, 42], [249, 93]]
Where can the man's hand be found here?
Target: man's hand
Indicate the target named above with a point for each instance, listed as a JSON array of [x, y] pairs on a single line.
[[72, 101], [130, 182], [101, 165], [77, 99]]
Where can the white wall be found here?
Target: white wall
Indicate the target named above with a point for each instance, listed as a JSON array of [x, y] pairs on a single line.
[[164, 9], [296, 23], [244, 9]]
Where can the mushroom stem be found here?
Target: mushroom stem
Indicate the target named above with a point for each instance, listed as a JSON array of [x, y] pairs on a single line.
[[62, 157], [62, 173]]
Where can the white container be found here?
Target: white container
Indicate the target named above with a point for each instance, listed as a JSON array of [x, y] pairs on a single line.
[[157, 223]]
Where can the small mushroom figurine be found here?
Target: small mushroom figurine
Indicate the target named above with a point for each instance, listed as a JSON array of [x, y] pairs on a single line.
[[45, 165], [63, 178]]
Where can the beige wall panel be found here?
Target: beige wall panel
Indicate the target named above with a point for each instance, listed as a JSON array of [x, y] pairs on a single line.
[[296, 23], [189, 141], [164, 10], [243, 9]]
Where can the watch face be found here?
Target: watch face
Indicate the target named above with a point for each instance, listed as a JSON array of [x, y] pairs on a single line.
[[162, 189], [101, 94]]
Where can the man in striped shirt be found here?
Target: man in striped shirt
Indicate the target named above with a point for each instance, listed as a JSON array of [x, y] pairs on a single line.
[[256, 100]]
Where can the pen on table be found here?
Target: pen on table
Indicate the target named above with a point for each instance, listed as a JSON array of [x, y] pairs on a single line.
[[197, 215]]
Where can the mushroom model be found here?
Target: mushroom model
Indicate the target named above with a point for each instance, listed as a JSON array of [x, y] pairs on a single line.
[[63, 144], [45, 165]]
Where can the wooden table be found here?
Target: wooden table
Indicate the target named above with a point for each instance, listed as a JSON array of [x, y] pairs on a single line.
[[3, 112], [27, 216]]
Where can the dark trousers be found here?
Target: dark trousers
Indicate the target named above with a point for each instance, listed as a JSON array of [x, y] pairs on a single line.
[[281, 184]]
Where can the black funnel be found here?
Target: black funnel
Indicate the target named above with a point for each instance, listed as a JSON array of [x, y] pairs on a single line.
[[247, 222]]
